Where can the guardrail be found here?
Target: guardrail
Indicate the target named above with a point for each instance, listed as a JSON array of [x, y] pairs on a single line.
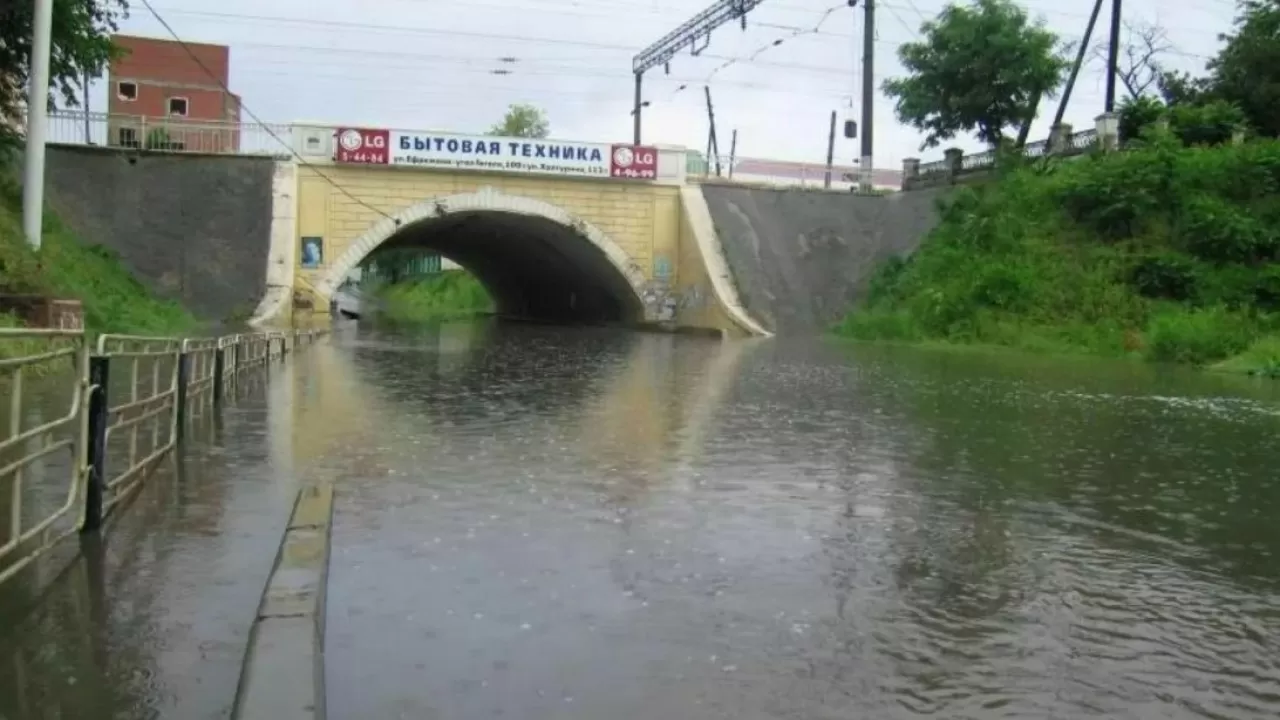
[[170, 134], [23, 448], [128, 406]]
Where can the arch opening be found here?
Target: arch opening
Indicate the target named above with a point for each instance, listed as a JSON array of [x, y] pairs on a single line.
[[535, 260]]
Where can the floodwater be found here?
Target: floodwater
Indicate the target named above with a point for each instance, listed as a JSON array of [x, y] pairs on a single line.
[[553, 523]]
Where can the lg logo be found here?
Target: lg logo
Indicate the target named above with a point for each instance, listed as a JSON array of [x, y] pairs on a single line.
[[623, 157], [353, 140]]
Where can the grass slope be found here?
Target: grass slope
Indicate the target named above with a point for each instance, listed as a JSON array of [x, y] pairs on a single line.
[[1166, 253], [113, 300]]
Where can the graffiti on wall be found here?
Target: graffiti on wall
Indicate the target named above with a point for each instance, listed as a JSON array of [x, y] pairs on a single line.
[[659, 302]]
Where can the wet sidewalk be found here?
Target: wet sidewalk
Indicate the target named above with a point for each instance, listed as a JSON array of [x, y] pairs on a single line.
[[153, 621]]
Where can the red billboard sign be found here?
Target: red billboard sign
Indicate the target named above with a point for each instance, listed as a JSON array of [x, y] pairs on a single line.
[[363, 146], [636, 162]]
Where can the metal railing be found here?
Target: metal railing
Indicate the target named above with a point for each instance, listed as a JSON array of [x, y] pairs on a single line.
[[146, 420], [170, 134], [23, 448], [130, 401], [200, 375]]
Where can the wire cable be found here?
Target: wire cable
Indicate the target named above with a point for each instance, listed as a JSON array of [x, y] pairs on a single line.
[[288, 146]]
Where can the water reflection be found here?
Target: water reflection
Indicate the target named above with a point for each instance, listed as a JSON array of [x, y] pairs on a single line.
[[574, 534]]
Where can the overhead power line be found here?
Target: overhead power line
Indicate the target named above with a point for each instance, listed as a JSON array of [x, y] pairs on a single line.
[[687, 35], [245, 109]]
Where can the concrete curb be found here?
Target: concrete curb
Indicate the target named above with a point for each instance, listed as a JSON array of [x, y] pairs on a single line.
[[283, 673], [708, 242]]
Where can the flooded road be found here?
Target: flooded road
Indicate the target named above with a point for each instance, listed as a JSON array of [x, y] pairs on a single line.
[[550, 523]]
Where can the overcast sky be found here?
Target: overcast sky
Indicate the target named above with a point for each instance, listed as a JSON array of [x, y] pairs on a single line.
[[429, 64]]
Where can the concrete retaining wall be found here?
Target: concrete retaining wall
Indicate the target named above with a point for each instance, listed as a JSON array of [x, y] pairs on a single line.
[[801, 259], [193, 228]]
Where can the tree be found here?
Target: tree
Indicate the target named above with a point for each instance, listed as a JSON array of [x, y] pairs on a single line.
[[81, 44], [978, 68], [1138, 62], [524, 121], [1246, 72]]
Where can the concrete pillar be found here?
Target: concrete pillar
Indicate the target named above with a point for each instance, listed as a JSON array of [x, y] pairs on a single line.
[[1060, 139], [910, 171], [1108, 125], [955, 160]]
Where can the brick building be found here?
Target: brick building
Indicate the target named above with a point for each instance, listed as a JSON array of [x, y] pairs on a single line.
[[163, 99]]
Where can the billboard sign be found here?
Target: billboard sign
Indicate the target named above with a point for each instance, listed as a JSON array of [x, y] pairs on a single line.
[[500, 154], [494, 154]]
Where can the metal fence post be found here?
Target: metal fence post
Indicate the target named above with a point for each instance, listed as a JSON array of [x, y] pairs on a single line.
[[99, 417], [219, 363], [184, 374]]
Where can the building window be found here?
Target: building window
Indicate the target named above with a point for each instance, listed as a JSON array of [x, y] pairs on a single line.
[[128, 137], [178, 106], [127, 91]]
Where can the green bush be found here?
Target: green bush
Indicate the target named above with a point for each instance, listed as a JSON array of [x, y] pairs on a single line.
[[1165, 250], [1164, 276], [1214, 229], [1136, 115], [1197, 336], [1266, 289], [1117, 195], [1212, 123]]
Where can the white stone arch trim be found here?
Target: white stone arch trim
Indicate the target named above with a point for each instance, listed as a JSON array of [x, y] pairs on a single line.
[[486, 198]]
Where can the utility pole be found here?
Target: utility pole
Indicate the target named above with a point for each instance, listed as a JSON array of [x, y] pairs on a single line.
[[1075, 69], [733, 151], [636, 111], [1113, 56], [831, 151], [868, 89], [37, 123], [712, 145]]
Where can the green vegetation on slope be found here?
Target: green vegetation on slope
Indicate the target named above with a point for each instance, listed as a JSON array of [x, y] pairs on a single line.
[[1165, 252], [450, 293], [113, 300]]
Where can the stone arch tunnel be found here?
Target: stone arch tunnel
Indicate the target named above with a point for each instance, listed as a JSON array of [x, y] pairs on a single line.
[[532, 266]]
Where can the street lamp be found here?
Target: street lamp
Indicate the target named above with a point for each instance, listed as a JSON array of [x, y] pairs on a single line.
[[37, 123]]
